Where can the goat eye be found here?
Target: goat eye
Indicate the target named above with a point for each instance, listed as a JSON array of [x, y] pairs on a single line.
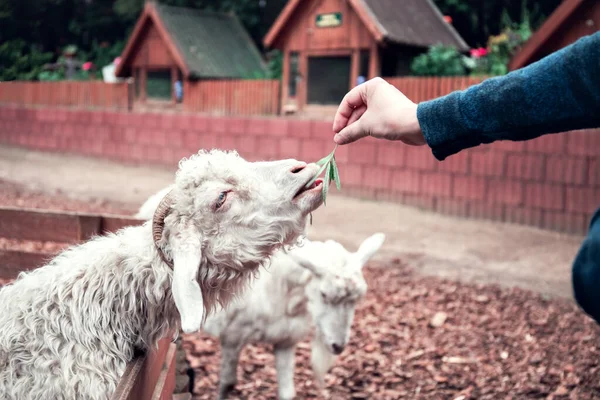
[[323, 296], [221, 200]]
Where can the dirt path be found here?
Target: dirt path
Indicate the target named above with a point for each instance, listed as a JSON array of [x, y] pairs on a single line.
[[433, 244]]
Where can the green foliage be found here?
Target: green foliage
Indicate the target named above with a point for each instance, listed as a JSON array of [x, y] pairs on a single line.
[[275, 64], [104, 54], [21, 61], [476, 20], [440, 61]]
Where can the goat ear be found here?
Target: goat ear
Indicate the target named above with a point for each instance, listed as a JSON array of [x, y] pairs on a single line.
[[186, 248], [300, 258], [369, 247]]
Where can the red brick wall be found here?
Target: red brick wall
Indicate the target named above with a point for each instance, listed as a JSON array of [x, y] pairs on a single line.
[[552, 182]]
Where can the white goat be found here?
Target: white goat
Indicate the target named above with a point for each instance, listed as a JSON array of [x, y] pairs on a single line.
[[68, 329], [317, 284]]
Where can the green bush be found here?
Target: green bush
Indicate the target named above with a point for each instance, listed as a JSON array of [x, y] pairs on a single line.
[[440, 60], [21, 61]]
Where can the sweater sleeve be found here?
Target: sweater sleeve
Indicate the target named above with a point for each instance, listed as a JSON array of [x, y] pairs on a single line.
[[560, 92]]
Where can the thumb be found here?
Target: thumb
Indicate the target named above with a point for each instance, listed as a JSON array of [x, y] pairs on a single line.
[[351, 133]]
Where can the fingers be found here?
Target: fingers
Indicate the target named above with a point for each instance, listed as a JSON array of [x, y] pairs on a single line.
[[351, 133], [352, 100]]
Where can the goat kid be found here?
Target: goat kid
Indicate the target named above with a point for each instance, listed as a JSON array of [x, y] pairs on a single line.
[[68, 329], [318, 284]]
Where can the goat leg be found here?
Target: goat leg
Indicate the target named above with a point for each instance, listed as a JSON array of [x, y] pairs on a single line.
[[285, 357], [230, 356]]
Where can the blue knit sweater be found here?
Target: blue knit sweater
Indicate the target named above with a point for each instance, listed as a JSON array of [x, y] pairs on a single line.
[[559, 93]]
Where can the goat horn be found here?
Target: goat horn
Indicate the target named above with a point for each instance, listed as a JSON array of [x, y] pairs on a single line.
[[158, 224]]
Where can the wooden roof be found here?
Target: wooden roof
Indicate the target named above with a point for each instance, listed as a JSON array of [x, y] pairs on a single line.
[[557, 19], [413, 22], [203, 44]]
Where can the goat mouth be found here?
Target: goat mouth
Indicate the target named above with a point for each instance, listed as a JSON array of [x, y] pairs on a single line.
[[309, 188]]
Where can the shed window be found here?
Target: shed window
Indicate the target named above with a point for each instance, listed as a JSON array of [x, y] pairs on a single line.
[[158, 84]]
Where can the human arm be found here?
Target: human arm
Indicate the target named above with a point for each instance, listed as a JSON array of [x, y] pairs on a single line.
[[558, 93]]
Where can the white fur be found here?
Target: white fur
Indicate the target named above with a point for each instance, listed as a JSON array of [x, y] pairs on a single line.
[[315, 284], [68, 329]]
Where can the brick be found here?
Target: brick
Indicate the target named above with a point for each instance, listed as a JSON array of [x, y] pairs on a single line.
[[390, 154], [322, 130], [257, 127], [566, 170], [491, 163], [594, 172], [351, 175], [342, 154], [290, 148], [524, 216], [458, 163], [300, 128], [268, 147], [436, 184], [246, 144], [508, 145], [454, 207], [504, 191], [377, 177], [421, 158], [525, 166], [584, 143], [183, 122], [406, 181], [419, 201], [96, 117], [469, 187], [584, 200], [199, 124], [480, 210], [217, 125], [237, 126], [362, 153], [277, 127], [207, 142], [546, 196], [226, 142], [312, 150], [547, 144], [565, 222]]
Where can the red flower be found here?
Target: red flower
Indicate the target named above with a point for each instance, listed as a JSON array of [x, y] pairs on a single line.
[[448, 19], [478, 53], [87, 66]]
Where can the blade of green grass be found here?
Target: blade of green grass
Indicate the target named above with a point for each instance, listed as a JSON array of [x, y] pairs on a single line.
[[335, 174], [326, 183]]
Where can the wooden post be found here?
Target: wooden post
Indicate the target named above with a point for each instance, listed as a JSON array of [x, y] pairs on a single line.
[[173, 80], [374, 62], [354, 67], [285, 78], [143, 78]]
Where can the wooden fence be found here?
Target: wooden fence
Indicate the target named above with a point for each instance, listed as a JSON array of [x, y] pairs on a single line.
[[79, 94], [426, 88], [232, 97], [148, 376]]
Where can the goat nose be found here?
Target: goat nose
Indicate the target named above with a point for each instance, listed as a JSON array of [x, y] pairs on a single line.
[[298, 168], [337, 348]]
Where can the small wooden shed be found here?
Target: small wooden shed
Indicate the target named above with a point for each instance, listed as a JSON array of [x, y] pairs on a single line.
[[331, 45], [572, 20], [177, 44]]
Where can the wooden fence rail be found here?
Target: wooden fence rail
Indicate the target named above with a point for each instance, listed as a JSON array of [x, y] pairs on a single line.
[[232, 97], [149, 376], [426, 88], [80, 94]]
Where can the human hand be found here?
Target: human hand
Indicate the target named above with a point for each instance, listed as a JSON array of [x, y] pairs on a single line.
[[376, 108]]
